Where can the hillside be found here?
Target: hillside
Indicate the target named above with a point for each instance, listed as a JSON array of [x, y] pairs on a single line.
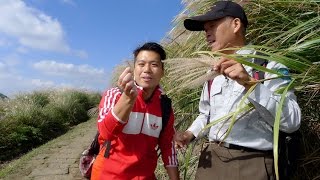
[[2, 96]]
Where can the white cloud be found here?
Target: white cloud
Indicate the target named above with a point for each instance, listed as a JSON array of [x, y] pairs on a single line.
[[3, 69], [41, 83], [55, 68], [2, 66], [12, 60], [49, 75], [74, 76], [47, 84], [71, 2], [12, 84], [22, 50], [4, 42], [81, 54], [11, 81], [31, 27]]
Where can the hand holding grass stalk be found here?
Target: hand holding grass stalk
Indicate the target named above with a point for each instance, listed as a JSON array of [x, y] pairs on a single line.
[[190, 73], [126, 83], [234, 70]]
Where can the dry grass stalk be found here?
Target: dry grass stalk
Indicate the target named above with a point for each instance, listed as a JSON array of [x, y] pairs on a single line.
[[190, 73]]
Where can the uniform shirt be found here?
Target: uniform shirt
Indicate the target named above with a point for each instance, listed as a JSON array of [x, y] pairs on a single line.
[[133, 144], [252, 129]]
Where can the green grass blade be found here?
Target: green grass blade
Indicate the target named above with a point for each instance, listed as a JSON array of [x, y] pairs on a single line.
[[276, 127], [244, 109], [239, 110], [187, 161]]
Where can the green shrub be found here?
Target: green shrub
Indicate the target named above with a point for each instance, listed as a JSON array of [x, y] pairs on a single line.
[[30, 120], [75, 105], [2, 110], [16, 139], [94, 99], [40, 99], [55, 122], [37, 98], [28, 115]]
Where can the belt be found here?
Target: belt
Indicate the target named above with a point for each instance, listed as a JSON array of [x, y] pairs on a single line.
[[237, 147]]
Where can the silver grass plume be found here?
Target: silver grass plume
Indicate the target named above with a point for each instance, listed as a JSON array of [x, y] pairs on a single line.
[[190, 73]]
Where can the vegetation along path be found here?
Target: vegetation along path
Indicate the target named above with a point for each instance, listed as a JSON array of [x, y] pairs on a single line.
[[58, 159]]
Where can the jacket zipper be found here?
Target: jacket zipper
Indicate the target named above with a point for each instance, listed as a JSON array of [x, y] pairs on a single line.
[[144, 115]]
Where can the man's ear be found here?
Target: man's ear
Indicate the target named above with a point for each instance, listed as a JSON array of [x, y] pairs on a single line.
[[236, 23]]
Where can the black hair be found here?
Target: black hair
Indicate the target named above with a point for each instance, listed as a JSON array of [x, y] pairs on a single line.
[[151, 46]]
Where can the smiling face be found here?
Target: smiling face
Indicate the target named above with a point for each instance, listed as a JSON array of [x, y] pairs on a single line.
[[148, 70], [222, 33]]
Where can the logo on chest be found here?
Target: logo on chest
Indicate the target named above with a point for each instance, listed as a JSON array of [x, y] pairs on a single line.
[[154, 126], [143, 123]]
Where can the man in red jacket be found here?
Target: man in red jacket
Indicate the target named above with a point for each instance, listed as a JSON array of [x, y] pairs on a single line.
[[130, 118]]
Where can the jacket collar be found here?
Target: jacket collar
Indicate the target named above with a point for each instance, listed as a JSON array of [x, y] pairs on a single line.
[[158, 91]]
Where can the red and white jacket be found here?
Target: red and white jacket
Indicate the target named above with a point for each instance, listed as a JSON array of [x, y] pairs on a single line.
[[133, 144]]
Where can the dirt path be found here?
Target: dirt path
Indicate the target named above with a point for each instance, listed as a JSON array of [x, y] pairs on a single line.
[[58, 159]]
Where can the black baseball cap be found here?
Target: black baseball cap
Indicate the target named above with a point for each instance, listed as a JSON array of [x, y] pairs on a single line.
[[219, 10]]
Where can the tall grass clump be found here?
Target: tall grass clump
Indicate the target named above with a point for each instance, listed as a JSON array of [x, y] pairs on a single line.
[[31, 119]]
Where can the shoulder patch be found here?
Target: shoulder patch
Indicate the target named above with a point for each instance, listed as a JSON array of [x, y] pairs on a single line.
[[284, 71]]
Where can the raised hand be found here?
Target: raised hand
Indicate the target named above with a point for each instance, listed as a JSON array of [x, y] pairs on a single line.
[[126, 83]]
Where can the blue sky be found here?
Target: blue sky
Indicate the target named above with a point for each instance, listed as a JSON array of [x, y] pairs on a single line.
[[48, 44]]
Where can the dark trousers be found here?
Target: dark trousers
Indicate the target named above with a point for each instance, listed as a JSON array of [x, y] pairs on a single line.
[[220, 163]]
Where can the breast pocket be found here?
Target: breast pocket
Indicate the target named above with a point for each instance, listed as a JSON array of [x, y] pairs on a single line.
[[237, 89], [215, 90], [216, 87], [215, 98]]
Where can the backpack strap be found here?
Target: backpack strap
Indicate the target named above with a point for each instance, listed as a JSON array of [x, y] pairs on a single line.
[[209, 95], [289, 152], [94, 146], [209, 87], [107, 144], [256, 74], [166, 104], [165, 109]]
